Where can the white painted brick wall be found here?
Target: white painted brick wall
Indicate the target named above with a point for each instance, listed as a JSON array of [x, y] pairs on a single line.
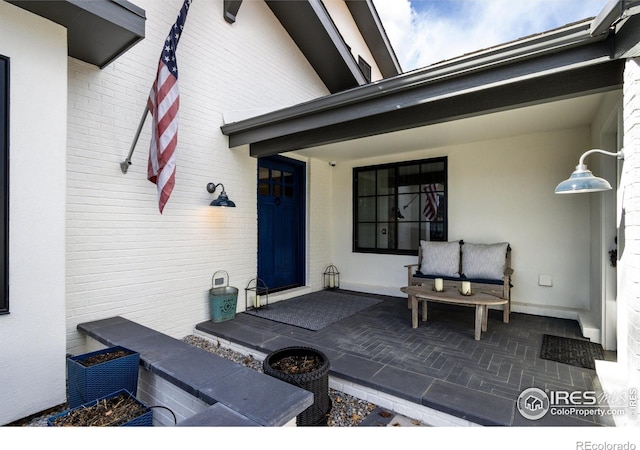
[[124, 257], [170, 404], [630, 288], [320, 178], [166, 398]]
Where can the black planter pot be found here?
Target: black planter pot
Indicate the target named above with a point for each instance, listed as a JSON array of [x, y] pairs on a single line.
[[316, 382]]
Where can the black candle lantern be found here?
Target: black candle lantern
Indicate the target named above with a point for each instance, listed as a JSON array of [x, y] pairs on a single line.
[[331, 277], [256, 295]]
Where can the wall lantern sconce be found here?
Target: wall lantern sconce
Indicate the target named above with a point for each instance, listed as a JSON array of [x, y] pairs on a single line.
[[256, 295], [331, 277], [222, 199], [582, 180]]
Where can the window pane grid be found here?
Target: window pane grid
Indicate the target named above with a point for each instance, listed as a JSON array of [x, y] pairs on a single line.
[[397, 205]]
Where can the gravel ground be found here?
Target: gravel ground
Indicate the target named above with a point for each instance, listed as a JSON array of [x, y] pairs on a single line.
[[347, 411]]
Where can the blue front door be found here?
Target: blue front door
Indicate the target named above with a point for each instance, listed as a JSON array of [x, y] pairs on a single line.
[[281, 184]]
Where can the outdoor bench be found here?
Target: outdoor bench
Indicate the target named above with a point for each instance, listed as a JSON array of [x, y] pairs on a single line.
[[486, 266], [238, 395]]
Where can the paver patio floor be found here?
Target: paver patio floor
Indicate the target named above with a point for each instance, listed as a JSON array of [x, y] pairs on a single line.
[[438, 365]]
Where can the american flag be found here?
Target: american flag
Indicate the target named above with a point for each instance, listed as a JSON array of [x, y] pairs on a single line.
[[431, 202], [163, 104]]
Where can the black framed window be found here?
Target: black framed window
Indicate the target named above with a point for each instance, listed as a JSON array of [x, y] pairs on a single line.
[[397, 205], [4, 184]]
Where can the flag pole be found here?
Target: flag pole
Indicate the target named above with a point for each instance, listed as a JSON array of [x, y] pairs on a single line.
[[124, 165]]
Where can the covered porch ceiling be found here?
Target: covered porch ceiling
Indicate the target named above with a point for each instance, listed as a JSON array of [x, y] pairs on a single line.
[[552, 116]]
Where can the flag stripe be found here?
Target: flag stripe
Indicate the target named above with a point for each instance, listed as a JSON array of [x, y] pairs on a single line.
[[168, 125], [163, 104], [431, 202]]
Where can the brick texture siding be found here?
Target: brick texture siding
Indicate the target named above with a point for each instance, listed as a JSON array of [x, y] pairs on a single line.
[[123, 256], [630, 282]]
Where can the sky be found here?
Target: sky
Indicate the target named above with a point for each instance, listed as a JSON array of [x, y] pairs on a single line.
[[423, 32]]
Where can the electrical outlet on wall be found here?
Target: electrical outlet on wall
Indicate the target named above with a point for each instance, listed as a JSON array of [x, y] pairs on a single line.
[[545, 280]]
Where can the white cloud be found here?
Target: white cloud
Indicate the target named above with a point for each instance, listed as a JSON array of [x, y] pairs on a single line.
[[423, 32]]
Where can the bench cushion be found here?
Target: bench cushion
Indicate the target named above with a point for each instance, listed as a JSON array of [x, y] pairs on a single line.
[[485, 261], [440, 258], [497, 281]]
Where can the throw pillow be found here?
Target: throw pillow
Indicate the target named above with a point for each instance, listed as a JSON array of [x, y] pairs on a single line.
[[484, 261], [440, 258]]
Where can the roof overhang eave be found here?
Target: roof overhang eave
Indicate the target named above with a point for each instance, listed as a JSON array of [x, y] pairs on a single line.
[[374, 34], [613, 12], [98, 32], [308, 114]]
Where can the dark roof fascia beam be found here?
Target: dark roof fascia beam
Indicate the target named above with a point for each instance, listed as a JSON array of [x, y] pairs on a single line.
[[368, 21], [627, 39], [313, 31], [527, 92], [98, 31], [107, 12], [607, 16], [614, 11], [518, 51], [337, 40], [134, 22], [415, 88], [230, 10]]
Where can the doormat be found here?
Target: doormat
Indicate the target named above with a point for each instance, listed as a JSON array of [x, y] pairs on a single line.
[[315, 311], [576, 352]]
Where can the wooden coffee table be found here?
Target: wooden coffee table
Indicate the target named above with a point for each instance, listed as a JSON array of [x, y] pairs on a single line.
[[451, 295]]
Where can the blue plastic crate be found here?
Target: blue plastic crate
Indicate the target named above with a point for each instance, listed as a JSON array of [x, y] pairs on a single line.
[[144, 420], [85, 384]]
